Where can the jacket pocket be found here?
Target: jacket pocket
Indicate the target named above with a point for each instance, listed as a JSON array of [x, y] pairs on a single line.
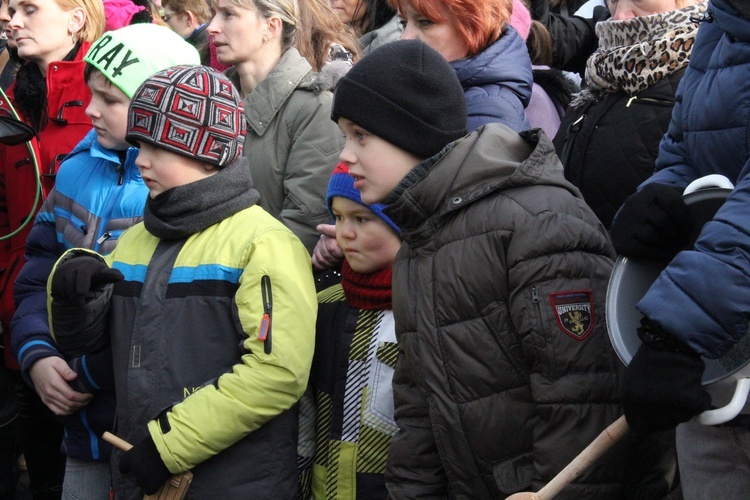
[[514, 474], [377, 411]]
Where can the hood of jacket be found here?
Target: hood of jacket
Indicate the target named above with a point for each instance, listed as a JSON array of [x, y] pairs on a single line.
[[730, 19], [499, 65], [492, 158]]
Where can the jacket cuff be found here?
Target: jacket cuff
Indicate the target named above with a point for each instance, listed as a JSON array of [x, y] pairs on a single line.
[[34, 348]]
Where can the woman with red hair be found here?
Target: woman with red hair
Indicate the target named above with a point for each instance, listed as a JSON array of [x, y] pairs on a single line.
[[488, 55]]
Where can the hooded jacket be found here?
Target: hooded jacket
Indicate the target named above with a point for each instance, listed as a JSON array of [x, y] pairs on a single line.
[[191, 367], [292, 145], [505, 369], [702, 296], [94, 200], [497, 82]]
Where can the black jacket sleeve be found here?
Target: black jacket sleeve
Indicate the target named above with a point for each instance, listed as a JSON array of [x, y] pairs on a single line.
[[573, 38]]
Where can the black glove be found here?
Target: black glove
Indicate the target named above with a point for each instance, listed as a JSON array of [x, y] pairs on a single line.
[[144, 463], [653, 223], [662, 385], [79, 275]]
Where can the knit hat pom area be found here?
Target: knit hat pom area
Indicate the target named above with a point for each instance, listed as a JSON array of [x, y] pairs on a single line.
[[405, 93], [129, 55], [194, 111], [342, 184]]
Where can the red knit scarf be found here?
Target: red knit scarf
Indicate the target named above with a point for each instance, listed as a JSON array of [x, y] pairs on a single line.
[[367, 291]]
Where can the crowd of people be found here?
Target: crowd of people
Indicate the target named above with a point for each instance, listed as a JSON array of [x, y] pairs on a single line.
[[361, 248]]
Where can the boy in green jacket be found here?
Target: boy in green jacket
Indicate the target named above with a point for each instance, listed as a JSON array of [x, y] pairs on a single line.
[[212, 306]]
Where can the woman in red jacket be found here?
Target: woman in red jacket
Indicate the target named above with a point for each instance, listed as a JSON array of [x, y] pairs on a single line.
[[50, 96]]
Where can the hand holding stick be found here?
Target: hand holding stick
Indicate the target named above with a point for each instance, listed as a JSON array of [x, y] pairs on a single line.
[[174, 489]]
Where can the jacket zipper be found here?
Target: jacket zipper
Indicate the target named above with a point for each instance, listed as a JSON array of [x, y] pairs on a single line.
[[104, 238], [570, 134], [120, 169], [535, 301], [648, 100], [264, 333]]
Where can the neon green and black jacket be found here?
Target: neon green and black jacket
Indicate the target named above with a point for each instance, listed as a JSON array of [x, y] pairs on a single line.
[[187, 324]]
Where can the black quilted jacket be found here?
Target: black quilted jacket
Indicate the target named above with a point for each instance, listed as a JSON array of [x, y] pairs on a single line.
[[609, 147]]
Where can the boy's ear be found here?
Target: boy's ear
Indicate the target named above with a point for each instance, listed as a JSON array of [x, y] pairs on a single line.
[[77, 20], [191, 19]]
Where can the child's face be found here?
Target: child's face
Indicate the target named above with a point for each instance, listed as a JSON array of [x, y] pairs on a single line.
[[369, 244], [108, 111], [376, 165], [162, 170]]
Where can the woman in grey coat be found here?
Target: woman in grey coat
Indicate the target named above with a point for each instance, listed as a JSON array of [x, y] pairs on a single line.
[[291, 143]]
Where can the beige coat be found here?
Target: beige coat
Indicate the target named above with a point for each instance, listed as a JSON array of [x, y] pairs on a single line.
[[292, 145]]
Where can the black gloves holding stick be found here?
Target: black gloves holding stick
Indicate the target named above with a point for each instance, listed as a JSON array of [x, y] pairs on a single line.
[[662, 385], [144, 463], [653, 223]]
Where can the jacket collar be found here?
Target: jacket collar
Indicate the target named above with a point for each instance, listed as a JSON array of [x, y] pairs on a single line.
[[265, 101], [730, 20]]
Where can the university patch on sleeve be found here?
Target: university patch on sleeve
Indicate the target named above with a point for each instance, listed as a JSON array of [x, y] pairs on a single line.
[[574, 312]]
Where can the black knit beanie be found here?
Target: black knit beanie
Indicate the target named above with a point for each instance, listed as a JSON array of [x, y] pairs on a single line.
[[405, 93]]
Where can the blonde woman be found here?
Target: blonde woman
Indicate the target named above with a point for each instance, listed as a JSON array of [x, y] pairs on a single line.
[[49, 96], [291, 143]]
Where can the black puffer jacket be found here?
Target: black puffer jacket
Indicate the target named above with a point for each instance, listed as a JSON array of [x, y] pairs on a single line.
[[505, 370], [608, 147]]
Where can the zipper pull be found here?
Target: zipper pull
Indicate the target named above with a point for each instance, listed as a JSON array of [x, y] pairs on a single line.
[[84, 229], [708, 17], [534, 295], [630, 101], [265, 323], [264, 332], [104, 238]]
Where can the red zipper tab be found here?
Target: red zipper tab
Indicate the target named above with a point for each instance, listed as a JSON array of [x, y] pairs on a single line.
[[265, 322]]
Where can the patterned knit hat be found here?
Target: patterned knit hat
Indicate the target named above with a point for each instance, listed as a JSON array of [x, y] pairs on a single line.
[[194, 111], [129, 55], [342, 184]]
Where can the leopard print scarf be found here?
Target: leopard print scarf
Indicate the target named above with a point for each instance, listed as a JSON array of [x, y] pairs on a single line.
[[636, 53]]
